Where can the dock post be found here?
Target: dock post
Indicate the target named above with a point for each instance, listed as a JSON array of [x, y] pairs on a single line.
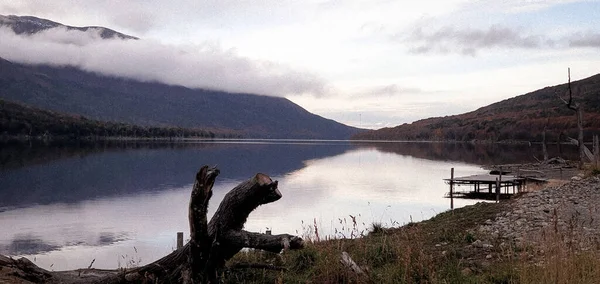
[[561, 176], [596, 151], [500, 178], [179, 240], [451, 188], [497, 190]]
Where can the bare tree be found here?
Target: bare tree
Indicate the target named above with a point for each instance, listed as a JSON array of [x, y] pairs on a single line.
[[579, 113], [544, 143]]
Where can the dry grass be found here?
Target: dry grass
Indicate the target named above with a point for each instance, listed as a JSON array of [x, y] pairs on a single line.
[[562, 255], [434, 251], [438, 250], [425, 252]]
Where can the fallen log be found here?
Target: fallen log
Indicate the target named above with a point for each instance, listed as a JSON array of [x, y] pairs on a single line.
[[203, 258]]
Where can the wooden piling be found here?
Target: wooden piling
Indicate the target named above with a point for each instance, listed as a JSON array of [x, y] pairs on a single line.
[[500, 179], [451, 188], [497, 190], [179, 240], [596, 151]]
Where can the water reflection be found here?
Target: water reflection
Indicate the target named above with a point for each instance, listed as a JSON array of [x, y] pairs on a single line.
[[124, 205], [480, 154], [101, 171]]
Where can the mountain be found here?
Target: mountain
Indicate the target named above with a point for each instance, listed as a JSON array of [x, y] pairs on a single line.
[[32, 25], [73, 91], [521, 118], [70, 90]]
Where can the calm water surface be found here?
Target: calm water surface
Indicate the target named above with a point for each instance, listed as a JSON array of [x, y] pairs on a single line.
[[63, 206]]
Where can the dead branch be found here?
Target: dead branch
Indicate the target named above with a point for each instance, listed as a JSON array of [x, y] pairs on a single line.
[[257, 266], [347, 261]]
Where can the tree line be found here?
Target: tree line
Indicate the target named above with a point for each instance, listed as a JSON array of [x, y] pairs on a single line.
[[22, 121]]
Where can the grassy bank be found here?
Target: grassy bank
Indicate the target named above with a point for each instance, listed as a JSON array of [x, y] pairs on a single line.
[[444, 249]]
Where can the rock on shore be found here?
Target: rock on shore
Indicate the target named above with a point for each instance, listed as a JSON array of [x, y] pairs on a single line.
[[569, 210]]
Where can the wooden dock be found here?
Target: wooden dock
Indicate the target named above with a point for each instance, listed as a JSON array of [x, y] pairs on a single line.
[[487, 186]]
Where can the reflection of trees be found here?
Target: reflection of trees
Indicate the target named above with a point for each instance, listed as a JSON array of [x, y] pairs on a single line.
[[480, 154], [84, 170]]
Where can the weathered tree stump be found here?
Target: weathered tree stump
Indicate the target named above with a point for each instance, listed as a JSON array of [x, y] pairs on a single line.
[[203, 258]]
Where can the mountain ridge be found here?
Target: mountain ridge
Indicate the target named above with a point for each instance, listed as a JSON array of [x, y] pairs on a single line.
[[521, 118], [33, 25]]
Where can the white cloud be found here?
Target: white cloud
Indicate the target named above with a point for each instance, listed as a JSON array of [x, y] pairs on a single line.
[[513, 6], [194, 66]]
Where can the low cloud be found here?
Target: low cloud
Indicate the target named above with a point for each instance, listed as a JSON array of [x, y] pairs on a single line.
[[195, 66]]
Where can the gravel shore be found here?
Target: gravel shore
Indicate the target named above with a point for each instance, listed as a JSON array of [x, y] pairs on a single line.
[[569, 210]]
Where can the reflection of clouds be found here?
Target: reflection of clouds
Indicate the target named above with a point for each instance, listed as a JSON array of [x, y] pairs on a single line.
[[108, 238], [27, 244], [104, 229], [374, 176], [378, 186], [30, 244]]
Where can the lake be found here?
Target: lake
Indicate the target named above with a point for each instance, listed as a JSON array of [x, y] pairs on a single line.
[[121, 203]]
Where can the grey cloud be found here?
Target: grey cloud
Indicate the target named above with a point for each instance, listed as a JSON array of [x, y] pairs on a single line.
[[387, 91], [589, 39], [194, 66], [468, 41]]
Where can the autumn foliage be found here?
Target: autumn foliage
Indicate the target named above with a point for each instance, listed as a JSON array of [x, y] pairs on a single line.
[[521, 118]]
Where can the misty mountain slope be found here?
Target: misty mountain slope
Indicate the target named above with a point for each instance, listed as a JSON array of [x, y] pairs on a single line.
[[519, 118], [70, 90], [32, 25]]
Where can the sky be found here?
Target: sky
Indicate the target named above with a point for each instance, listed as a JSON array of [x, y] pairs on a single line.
[[368, 64]]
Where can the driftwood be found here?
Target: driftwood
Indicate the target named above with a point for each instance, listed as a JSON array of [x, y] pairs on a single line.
[[347, 262], [203, 258], [586, 151]]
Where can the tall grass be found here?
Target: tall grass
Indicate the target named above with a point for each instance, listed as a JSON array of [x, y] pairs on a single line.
[[438, 250], [563, 255]]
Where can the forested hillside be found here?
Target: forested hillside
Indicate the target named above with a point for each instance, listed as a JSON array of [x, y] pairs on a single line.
[[20, 121], [520, 118]]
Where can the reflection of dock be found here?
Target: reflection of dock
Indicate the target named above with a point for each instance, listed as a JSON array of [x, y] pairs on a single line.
[[488, 186]]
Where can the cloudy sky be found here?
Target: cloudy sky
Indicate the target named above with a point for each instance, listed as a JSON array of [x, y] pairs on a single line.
[[364, 63]]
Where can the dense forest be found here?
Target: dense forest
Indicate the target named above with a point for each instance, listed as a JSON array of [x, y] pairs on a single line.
[[25, 122], [521, 118]]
